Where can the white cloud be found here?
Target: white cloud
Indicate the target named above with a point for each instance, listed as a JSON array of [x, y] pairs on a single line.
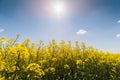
[[2, 30], [118, 35], [118, 21], [81, 32]]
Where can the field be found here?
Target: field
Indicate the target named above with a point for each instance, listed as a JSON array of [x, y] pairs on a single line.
[[56, 61]]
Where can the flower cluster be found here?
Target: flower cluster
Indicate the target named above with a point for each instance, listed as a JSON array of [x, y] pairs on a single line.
[[36, 61]]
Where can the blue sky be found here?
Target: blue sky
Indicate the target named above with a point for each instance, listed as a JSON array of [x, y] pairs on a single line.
[[95, 22]]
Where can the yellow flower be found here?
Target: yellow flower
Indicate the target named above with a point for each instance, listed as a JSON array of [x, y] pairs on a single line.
[[11, 69], [46, 70], [23, 52], [52, 69], [41, 41], [78, 62], [66, 66], [54, 59], [2, 65], [35, 68]]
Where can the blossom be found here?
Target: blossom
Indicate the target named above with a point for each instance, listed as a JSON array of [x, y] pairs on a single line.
[[78, 62], [66, 66]]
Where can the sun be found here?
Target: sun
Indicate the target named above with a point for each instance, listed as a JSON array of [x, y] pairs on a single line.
[[59, 8]]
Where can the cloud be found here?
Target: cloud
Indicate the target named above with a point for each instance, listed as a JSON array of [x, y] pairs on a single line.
[[2, 30], [81, 32], [118, 35], [118, 21]]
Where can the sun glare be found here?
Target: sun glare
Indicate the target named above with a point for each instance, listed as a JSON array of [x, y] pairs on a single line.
[[59, 8]]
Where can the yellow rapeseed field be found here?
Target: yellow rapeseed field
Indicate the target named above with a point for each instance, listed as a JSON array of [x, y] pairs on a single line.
[[56, 61]]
